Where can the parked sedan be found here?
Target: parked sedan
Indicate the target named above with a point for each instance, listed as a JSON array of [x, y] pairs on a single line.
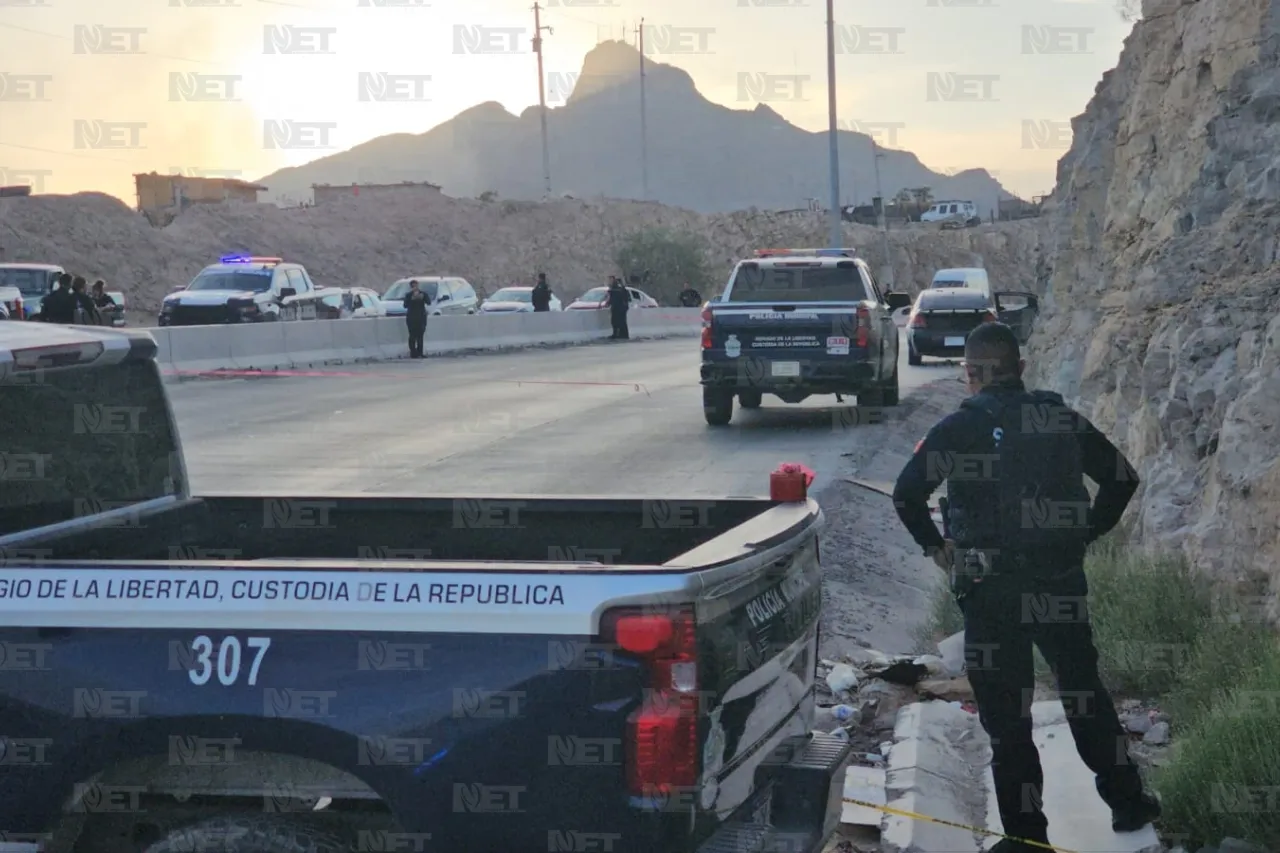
[[941, 321], [510, 300], [597, 298], [342, 303]]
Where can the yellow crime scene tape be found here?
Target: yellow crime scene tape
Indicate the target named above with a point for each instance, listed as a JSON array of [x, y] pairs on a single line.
[[917, 816]]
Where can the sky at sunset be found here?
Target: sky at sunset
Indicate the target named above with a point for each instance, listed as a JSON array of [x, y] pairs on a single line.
[[92, 91]]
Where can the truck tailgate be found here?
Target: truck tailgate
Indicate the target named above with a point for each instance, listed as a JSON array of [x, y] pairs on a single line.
[[785, 331], [450, 694]]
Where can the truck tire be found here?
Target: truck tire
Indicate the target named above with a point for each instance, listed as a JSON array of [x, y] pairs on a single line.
[[717, 406], [252, 834], [913, 358], [750, 399]]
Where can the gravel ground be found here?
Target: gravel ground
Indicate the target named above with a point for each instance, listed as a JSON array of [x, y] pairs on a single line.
[[878, 584]]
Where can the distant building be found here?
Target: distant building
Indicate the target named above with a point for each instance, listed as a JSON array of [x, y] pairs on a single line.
[[174, 193], [327, 194]]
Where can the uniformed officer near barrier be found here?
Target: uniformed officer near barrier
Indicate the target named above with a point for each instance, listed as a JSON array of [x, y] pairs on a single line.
[[619, 300], [415, 315], [1018, 521]]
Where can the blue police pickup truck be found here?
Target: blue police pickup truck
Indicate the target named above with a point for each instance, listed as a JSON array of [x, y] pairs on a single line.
[[359, 673], [798, 322]]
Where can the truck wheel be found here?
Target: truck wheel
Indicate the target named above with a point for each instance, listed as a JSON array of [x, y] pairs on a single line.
[[251, 834], [913, 357], [717, 406], [750, 399]]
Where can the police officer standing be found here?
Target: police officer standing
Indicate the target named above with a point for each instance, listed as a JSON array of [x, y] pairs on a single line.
[[619, 302], [689, 297], [415, 315], [1020, 519], [541, 295]]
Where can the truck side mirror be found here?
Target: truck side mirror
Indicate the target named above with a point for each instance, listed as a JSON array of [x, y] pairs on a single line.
[[288, 292], [897, 300]]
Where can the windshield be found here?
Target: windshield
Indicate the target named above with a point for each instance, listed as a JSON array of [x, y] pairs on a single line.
[[595, 294], [754, 283], [948, 283], [400, 290], [28, 282], [512, 294], [115, 443], [254, 282]]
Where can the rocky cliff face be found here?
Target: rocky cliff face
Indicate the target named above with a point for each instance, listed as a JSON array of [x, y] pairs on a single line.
[[1162, 297]]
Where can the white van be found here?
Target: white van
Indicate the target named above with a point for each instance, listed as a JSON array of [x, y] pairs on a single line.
[[960, 212], [974, 277]]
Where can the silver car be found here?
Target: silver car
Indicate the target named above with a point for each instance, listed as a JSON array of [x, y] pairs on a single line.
[[445, 294]]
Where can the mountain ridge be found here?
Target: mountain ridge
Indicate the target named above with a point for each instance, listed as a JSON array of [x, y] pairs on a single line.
[[702, 156]]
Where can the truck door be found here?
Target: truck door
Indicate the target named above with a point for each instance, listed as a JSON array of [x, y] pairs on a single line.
[[882, 325], [1018, 311]]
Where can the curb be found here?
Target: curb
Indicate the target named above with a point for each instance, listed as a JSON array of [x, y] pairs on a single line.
[[177, 375], [935, 768]]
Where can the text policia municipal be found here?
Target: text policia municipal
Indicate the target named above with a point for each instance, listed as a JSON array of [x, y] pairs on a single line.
[[284, 590]]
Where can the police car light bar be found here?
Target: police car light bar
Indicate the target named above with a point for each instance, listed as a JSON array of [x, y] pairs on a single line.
[[806, 253], [248, 259]]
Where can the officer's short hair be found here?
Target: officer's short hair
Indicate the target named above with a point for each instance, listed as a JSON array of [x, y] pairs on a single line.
[[991, 353]]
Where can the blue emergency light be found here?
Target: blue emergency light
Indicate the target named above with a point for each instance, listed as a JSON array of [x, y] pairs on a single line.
[[247, 259]]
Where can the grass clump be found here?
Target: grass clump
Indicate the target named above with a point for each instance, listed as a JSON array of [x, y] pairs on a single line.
[[1167, 634]]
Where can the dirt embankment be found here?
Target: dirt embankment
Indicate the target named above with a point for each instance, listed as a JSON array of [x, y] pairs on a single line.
[[372, 242]]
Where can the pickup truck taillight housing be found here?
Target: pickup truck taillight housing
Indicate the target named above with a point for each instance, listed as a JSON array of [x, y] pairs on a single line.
[[706, 328], [864, 326], [661, 750], [990, 317]]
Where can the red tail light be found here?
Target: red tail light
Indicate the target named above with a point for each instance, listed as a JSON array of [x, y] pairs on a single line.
[[19, 309], [662, 734], [864, 327], [990, 318], [919, 322], [706, 328]]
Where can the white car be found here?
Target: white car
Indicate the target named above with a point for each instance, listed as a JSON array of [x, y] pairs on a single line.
[[510, 300], [343, 303]]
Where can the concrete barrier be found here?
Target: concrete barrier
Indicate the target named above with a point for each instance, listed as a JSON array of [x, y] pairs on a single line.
[[273, 346]]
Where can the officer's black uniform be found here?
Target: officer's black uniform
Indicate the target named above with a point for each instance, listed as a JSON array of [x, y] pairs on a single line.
[[619, 302], [541, 296], [690, 298], [415, 315], [1005, 611]]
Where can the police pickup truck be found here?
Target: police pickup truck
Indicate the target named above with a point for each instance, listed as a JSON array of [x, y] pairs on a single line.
[[285, 673], [799, 322], [243, 289]]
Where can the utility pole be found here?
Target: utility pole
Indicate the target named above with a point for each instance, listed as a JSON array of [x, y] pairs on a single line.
[[837, 230], [542, 95], [884, 220], [644, 129]]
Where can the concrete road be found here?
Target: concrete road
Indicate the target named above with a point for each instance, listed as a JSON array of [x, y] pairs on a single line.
[[602, 419]]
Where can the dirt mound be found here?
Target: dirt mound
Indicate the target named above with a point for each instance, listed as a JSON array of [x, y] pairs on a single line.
[[372, 242]]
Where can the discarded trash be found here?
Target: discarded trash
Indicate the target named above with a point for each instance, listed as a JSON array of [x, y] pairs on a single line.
[[846, 713], [952, 651], [841, 734], [842, 678]]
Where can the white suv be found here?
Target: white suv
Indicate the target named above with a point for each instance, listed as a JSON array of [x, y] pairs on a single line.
[[952, 211]]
